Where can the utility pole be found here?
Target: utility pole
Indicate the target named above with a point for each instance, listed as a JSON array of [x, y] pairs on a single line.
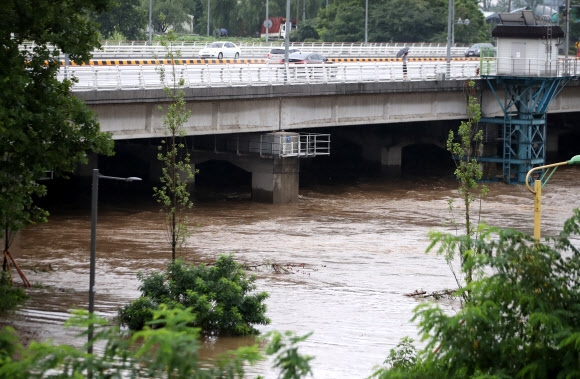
[[266, 25], [150, 24], [567, 20], [208, 18], [449, 31], [366, 21]]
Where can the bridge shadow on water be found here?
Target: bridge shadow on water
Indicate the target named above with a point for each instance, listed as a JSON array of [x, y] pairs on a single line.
[[222, 181]]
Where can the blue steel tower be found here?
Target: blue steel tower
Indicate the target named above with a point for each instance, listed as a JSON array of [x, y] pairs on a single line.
[[530, 75]]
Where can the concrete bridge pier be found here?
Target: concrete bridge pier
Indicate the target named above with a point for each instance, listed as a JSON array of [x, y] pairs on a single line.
[[274, 181], [391, 160]]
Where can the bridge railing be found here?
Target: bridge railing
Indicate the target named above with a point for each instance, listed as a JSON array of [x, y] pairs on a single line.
[[273, 145], [103, 78], [141, 49]]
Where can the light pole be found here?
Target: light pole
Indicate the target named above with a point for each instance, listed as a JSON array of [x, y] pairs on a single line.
[[94, 204], [459, 21], [366, 21], [287, 35], [150, 24], [208, 4], [267, 22], [450, 16], [537, 191]]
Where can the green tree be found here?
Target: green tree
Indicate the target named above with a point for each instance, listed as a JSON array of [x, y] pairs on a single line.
[[176, 171], [465, 148], [307, 31], [43, 126], [127, 17], [392, 20], [522, 317], [169, 14], [342, 22], [477, 30], [222, 297]]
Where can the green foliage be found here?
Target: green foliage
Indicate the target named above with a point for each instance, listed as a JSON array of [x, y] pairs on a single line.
[[392, 20], [10, 296], [465, 150], [342, 22], [222, 297], [403, 356], [43, 126], [169, 14], [291, 364], [522, 317], [137, 313], [306, 31], [176, 171], [126, 18], [402, 362], [168, 352]]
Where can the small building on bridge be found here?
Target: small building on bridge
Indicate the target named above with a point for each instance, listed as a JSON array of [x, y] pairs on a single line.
[[527, 45], [531, 75]]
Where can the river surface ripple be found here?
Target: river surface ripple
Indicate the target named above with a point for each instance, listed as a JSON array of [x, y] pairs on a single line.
[[354, 251]]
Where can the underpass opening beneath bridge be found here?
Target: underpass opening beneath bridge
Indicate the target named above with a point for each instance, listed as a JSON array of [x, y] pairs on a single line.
[[222, 180], [426, 160]]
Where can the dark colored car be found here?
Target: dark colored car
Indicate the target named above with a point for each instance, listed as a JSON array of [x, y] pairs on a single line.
[[276, 54], [314, 58], [481, 49]]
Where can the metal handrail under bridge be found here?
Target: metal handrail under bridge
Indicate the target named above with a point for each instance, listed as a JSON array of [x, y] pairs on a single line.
[[275, 145]]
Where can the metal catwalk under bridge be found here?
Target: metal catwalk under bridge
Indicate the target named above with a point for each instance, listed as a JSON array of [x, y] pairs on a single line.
[[523, 137]]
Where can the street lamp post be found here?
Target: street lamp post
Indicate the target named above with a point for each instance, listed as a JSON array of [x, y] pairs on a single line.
[[366, 22], [208, 5], [537, 190], [459, 21], [94, 204], [450, 16], [150, 23]]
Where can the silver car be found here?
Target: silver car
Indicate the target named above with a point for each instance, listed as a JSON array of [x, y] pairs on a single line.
[[481, 49], [275, 54]]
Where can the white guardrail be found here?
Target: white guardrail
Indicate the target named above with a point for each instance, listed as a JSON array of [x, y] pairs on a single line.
[[128, 77], [273, 145], [141, 49], [101, 78]]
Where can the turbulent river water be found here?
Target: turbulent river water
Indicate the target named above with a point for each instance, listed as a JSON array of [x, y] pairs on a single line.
[[355, 249]]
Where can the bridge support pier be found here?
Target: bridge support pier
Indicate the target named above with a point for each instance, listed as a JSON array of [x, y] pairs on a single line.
[[391, 158], [276, 180]]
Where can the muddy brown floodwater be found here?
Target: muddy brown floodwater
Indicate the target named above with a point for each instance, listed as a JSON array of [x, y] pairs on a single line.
[[357, 249]]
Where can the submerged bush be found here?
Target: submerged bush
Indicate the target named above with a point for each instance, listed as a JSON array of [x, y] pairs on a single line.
[[10, 296], [222, 297]]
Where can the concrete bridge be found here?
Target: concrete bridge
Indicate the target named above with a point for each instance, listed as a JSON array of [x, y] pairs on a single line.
[[226, 113]]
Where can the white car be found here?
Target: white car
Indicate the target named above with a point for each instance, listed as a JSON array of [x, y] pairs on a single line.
[[220, 50]]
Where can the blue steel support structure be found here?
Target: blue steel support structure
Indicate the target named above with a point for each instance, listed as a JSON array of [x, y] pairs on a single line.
[[525, 105]]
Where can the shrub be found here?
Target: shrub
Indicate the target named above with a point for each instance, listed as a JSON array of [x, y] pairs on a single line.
[[222, 297], [10, 296], [137, 314], [522, 317]]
